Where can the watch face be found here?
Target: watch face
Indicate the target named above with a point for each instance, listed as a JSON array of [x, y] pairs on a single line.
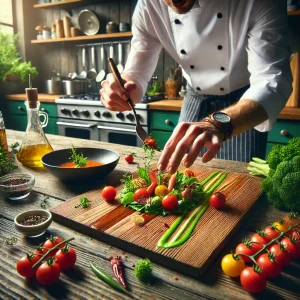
[[221, 117]]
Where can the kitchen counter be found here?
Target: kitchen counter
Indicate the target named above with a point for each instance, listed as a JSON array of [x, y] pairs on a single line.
[[42, 97], [81, 283]]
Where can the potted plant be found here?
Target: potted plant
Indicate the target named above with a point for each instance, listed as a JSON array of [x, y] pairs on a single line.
[[12, 68]]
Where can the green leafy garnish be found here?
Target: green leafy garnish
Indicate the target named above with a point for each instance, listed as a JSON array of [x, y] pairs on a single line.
[[6, 162], [84, 203], [78, 159], [143, 270]]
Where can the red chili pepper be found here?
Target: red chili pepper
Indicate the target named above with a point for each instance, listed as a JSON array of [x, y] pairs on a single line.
[[116, 265]]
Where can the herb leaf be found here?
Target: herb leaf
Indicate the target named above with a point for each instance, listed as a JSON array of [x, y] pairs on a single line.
[[78, 159], [84, 203], [6, 161]]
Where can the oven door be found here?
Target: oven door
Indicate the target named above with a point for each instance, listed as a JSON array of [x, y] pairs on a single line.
[[119, 134], [78, 129]]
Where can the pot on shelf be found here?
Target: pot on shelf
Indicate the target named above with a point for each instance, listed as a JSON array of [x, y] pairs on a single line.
[[53, 87], [72, 87]]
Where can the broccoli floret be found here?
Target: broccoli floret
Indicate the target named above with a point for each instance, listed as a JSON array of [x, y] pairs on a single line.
[[274, 157], [143, 270]]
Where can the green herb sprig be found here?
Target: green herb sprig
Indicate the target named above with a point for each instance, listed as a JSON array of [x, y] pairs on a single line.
[[6, 162], [84, 203], [78, 159]]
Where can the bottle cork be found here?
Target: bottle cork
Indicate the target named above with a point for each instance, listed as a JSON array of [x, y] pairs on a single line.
[[32, 97], [67, 26], [59, 29]]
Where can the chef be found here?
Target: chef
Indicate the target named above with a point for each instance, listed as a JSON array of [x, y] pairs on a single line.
[[235, 57]]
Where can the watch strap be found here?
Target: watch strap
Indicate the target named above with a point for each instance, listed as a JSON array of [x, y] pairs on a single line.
[[226, 129]]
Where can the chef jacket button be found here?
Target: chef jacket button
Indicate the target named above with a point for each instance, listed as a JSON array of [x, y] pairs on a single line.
[[220, 47], [198, 89], [192, 66], [221, 89], [177, 21], [222, 68], [219, 15], [182, 51]]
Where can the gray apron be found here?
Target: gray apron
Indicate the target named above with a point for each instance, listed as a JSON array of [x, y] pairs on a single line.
[[242, 147]]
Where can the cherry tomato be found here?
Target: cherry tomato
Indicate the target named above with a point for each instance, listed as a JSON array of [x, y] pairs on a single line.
[[161, 190], [296, 236], [269, 266], [169, 202], [141, 195], [290, 246], [48, 273], [130, 157], [109, 193], [247, 248], [271, 233], [65, 257], [24, 265], [281, 225], [291, 220], [281, 255], [150, 142], [189, 173], [260, 239], [253, 281], [50, 243], [217, 200], [232, 265]]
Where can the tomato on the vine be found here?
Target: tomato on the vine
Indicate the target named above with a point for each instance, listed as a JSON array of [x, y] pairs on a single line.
[[141, 195], [109, 193], [292, 220], [290, 246], [247, 248], [271, 233], [130, 157], [50, 243], [169, 202], [24, 265], [65, 257], [232, 265], [281, 225], [48, 273], [282, 256], [217, 200], [269, 266], [259, 238], [252, 280]]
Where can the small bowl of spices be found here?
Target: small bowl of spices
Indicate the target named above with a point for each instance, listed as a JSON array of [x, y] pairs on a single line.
[[16, 186], [33, 223]]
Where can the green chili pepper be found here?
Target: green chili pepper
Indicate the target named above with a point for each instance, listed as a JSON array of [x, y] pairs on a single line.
[[109, 280]]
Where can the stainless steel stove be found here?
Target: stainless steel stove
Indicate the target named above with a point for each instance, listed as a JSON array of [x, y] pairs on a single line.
[[84, 116]]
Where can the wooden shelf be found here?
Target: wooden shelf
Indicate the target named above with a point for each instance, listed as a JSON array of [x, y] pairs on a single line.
[[86, 38], [294, 13], [65, 2]]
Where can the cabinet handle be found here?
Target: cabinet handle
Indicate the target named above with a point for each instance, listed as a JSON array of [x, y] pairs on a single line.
[[284, 132], [20, 108], [168, 122]]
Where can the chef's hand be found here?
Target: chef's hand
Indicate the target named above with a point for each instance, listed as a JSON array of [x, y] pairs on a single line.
[[195, 135], [114, 96]]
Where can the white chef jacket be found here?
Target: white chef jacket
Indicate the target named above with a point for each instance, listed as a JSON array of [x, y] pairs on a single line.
[[222, 45]]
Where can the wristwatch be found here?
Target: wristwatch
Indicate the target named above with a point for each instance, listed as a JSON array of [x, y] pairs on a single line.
[[221, 121]]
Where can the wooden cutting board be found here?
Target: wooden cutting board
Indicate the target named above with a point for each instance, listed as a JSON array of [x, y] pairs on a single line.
[[111, 223]]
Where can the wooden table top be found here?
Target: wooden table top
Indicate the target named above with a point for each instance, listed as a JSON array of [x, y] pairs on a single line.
[[81, 283]]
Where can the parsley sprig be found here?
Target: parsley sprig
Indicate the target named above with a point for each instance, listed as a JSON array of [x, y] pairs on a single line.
[[78, 159], [84, 203]]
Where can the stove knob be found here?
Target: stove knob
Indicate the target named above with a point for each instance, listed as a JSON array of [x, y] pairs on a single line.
[[85, 112], [120, 115], [106, 114], [75, 112], [97, 114], [130, 117], [65, 111]]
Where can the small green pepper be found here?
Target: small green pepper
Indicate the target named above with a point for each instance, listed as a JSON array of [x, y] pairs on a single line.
[[156, 201], [128, 198]]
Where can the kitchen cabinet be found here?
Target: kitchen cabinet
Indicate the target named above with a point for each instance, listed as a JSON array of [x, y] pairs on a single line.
[[162, 124], [16, 116]]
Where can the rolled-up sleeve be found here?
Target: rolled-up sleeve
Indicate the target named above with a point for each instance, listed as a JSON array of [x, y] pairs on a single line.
[[268, 60], [145, 47]]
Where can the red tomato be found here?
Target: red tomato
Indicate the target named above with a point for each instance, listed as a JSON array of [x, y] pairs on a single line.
[[130, 157], [281, 255], [258, 238], [253, 281], [150, 142], [50, 243], [169, 202], [141, 195], [269, 266], [48, 273], [296, 236], [292, 220], [65, 257], [24, 265], [109, 193], [271, 233], [189, 173], [247, 248], [217, 200], [290, 246]]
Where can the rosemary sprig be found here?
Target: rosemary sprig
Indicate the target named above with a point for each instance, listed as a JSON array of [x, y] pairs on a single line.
[[84, 203], [78, 159]]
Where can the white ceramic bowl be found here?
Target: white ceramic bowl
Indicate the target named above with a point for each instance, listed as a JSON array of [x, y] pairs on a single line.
[[33, 230]]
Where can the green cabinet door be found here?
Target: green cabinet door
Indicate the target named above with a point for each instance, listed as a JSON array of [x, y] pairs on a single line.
[[283, 130], [16, 122], [51, 126], [161, 137]]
